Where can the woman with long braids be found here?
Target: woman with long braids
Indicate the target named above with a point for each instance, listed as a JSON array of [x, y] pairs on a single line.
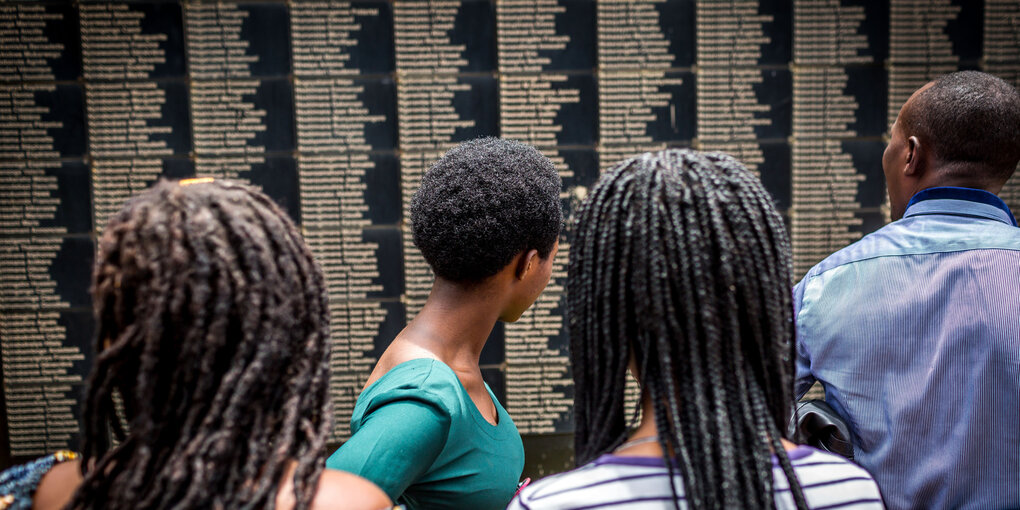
[[210, 386], [679, 273]]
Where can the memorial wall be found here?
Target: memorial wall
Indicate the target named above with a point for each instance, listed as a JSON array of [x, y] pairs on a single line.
[[336, 108]]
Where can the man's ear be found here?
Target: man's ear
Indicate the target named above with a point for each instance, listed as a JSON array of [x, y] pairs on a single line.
[[915, 155], [525, 262]]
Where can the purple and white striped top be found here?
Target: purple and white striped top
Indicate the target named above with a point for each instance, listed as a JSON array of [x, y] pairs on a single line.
[[642, 483]]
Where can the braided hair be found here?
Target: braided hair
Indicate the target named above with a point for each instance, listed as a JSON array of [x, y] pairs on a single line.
[[212, 330], [681, 264]]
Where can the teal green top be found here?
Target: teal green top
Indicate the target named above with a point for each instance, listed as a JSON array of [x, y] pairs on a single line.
[[417, 434]]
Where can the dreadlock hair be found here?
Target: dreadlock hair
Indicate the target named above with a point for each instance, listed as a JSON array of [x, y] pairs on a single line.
[[212, 329], [681, 263]]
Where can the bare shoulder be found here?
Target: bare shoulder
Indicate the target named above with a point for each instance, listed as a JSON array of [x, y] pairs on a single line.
[[337, 490], [57, 486], [347, 491], [398, 352]]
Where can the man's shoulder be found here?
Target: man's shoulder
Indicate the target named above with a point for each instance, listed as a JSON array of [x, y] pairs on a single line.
[[879, 243], [922, 236]]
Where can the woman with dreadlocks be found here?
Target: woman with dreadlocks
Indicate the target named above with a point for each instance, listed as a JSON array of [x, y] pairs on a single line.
[[679, 274], [427, 429], [210, 386]]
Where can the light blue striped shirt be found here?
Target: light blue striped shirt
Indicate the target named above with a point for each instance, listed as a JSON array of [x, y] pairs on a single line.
[[915, 332]]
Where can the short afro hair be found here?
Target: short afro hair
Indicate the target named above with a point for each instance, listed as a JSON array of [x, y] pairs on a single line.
[[482, 203], [969, 118]]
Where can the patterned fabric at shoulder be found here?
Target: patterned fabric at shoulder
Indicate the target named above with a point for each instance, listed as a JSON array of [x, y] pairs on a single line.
[[18, 484]]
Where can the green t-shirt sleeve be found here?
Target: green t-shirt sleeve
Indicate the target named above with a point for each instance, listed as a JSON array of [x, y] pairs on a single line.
[[396, 443]]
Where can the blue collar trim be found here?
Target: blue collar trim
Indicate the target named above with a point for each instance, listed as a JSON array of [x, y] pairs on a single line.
[[966, 194]]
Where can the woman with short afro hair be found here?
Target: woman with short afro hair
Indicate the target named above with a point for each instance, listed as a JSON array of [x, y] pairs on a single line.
[[426, 428]]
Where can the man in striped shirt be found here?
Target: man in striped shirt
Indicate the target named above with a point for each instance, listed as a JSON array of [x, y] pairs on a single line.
[[915, 329]]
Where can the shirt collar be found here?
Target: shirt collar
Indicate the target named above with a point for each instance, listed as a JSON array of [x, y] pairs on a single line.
[[959, 201]]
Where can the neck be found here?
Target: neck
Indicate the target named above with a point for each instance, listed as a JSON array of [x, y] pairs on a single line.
[[647, 428], [959, 176], [455, 322]]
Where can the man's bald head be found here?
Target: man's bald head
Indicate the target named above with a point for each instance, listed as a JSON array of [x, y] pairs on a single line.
[[970, 121]]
